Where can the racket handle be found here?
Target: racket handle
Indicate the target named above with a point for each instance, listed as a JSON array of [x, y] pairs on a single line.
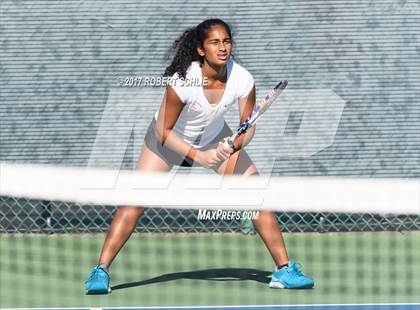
[[230, 141]]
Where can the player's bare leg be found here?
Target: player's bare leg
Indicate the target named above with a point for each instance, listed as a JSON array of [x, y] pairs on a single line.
[[266, 224], [126, 218], [121, 229], [287, 274]]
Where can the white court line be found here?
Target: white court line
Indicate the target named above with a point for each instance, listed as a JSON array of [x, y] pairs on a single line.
[[227, 306]]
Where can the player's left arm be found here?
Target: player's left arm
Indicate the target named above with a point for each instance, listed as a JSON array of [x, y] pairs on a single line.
[[246, 106]]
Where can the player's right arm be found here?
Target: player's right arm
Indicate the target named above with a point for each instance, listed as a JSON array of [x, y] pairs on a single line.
[[169, 112]]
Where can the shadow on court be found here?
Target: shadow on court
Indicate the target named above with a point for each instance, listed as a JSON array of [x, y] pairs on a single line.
[[222, 274]]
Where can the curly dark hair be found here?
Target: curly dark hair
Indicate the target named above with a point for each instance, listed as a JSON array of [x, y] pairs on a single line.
[[185, 47]]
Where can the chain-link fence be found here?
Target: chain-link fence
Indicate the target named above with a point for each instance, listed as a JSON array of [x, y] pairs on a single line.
[[38, 216]]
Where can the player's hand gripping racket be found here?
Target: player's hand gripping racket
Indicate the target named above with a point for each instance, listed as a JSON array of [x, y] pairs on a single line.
[[258, 111]]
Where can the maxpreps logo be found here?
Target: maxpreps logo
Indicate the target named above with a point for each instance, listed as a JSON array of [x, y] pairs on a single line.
[[210, 215]]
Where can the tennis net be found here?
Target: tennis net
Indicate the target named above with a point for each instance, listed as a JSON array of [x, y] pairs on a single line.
[[358, 238]]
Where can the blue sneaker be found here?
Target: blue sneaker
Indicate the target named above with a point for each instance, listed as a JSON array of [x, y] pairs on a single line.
[[97, 282], [290, 277]]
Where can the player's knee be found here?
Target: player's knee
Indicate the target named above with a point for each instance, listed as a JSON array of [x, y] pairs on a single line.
[[131, 211], [251, 171]]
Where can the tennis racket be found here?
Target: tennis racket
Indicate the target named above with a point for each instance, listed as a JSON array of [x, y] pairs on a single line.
[[259, 110]]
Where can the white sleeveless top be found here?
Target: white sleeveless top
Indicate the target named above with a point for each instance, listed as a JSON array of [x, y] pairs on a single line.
[[199, 122]]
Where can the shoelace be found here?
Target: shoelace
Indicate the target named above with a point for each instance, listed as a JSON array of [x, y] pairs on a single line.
[[93, 273], [297, 268]]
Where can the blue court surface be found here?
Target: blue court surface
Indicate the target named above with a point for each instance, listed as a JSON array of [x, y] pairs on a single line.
[[287, 307], [290, 307], [270, 307]]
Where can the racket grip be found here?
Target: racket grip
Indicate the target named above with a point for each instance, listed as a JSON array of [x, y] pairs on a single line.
[[229, 142]]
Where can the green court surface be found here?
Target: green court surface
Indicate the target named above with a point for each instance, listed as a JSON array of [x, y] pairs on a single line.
[[209, 269]]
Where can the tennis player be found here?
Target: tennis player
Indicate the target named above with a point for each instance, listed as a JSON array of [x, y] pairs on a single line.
[[188, 130]]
